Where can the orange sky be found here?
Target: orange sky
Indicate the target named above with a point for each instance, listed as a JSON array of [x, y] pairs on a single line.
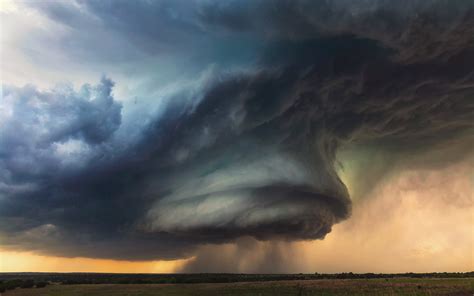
[[27, 261], [418, 220]]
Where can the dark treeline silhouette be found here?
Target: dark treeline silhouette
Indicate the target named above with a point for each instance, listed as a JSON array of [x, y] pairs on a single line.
[[23, 283], [38, 280]]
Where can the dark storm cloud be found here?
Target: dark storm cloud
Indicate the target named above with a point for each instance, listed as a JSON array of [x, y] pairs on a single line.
[[250, 154], [153, 27], [35, 123]]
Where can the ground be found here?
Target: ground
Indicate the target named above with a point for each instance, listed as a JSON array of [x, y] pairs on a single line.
[[398, 286]]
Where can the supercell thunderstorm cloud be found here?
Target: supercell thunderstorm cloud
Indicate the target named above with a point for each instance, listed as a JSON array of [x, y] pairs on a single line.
[[241, 137]]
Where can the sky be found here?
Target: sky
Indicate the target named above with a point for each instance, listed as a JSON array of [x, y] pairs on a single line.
[[237, 136]]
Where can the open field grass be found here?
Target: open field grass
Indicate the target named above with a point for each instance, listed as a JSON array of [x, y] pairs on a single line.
[[396, 286]]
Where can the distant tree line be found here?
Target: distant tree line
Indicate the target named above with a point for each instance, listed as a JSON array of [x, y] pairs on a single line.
[[21, 283], [29, 280]]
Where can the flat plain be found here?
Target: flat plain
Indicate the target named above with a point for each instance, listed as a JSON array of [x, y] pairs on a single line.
[[394, 286]]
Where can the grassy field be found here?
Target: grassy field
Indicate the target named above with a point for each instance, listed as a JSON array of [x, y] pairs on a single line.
[[398, 286]]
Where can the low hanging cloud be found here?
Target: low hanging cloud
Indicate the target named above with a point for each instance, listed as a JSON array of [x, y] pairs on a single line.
[[429, 216], [251, 154]]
